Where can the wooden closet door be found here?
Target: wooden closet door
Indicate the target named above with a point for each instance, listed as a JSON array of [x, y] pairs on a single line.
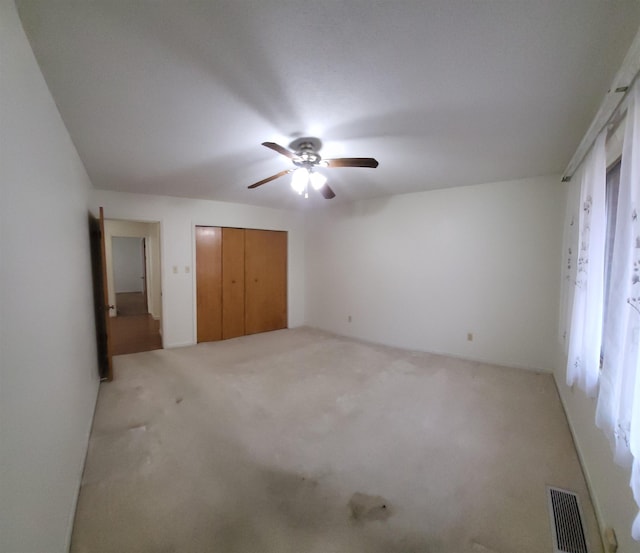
[[232, 282], [265, 280], [209, 283]]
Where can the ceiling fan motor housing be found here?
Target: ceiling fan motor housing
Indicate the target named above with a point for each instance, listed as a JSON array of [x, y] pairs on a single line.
[[306, 149], [306, 143]]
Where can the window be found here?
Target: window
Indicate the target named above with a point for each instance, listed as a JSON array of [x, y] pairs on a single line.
[[611, 210]]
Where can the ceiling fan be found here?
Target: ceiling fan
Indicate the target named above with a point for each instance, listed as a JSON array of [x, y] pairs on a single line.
[[306, 159]]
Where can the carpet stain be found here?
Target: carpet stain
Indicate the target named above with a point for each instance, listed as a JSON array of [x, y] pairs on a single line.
[[137, 428], [364, 507], [479, 548]]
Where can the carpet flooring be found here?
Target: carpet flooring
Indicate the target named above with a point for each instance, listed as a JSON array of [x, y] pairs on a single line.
[[301, 441]]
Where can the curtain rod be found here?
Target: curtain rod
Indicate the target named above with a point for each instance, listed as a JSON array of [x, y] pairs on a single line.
[[608, 111]]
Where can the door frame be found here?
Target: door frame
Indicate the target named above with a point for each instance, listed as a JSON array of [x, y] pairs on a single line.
[[160, 278], [111, 275]]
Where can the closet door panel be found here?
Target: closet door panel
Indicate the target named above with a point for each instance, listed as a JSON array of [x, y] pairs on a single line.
[[265, 280], [232, 282], [209, 283]]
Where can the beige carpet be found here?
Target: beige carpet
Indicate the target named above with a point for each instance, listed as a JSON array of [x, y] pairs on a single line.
[[300, 441]]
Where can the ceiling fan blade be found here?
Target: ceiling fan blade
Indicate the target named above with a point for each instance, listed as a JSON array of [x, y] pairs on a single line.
[[352, 162], [269, 179], [280, 149], [327, 192]]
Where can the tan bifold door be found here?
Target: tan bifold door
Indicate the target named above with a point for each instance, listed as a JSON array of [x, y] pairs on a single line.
[[209, 283], [265, 305], [232, 282], [241, 280]]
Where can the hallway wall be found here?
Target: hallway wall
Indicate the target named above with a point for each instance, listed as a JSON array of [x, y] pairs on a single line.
[[128, 264]]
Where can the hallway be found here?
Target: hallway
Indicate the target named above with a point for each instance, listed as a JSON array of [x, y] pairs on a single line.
[[135, 334], [131, 303]]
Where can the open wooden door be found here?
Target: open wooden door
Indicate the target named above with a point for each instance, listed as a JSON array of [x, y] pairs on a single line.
[[100, 296]]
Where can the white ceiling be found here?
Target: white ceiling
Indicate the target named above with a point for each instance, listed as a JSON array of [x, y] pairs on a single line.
[[175, 97]]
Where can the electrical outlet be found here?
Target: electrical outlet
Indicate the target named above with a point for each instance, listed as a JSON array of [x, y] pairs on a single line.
[[187, 269], [470, 337], [175, 269], [349, 318], [610, 540]]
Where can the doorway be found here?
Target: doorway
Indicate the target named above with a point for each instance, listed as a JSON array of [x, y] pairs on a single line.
[[130, 275], [134, 286]]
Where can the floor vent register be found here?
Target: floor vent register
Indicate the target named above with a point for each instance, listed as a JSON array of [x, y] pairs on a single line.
[[566, 522]]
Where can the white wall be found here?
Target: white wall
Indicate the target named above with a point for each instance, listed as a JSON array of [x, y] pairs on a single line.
[[422, 270], [128, 264], [178, 218], [151, 232], [48, 368], [609, 483]]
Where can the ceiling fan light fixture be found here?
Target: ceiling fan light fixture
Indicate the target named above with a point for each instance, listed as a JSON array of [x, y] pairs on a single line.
[[300, 179], [303, 153], [317, 180]]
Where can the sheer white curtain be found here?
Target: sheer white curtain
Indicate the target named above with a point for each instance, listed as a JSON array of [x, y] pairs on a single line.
[[618, 410], [583, 361], [569, 247]]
